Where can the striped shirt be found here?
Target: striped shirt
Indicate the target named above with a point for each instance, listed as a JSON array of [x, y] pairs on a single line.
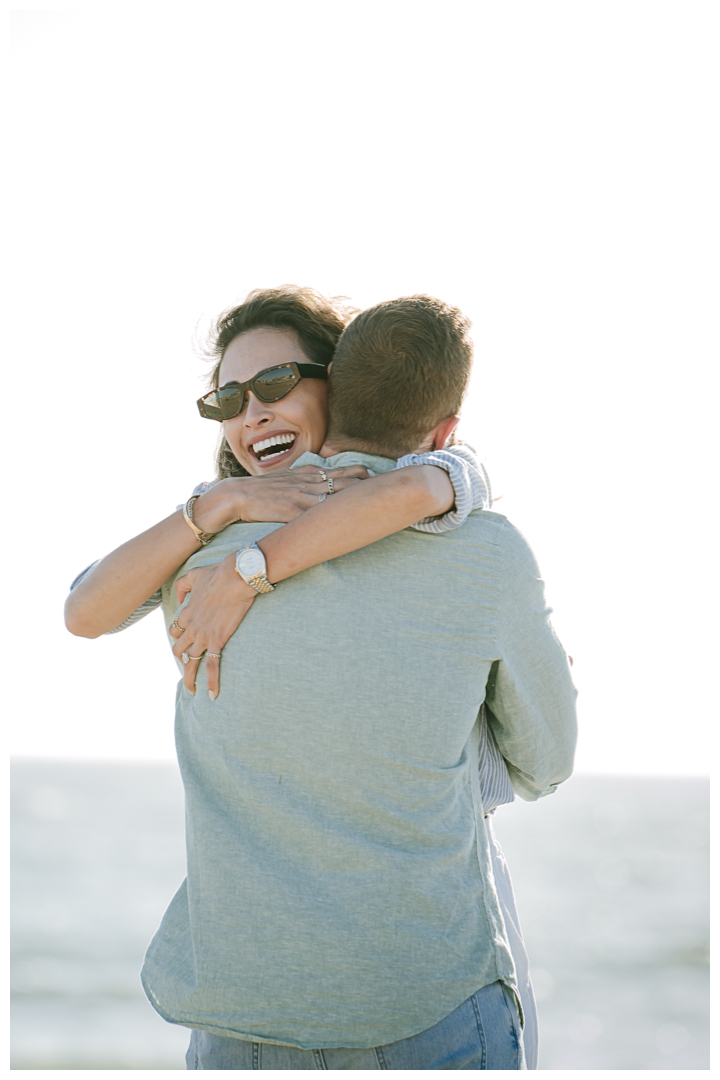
[[472, 492]]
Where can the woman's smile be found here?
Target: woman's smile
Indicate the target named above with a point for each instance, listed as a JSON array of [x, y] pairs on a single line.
[[272, 448]]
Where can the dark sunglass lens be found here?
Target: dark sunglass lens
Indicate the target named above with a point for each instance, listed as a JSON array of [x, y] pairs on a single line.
[[225, 403], [272, 385]]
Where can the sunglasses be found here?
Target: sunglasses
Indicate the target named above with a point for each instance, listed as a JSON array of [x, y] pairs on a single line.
[[269, 385]]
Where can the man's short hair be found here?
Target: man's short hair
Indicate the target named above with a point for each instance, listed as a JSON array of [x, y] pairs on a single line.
[[399, 369]]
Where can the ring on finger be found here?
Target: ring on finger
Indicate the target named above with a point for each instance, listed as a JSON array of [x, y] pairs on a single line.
[[216, 655], [323, 474], [331, 486], [323, 497], [177, 626]]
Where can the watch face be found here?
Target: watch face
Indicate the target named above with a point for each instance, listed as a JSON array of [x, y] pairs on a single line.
[[250, 562]]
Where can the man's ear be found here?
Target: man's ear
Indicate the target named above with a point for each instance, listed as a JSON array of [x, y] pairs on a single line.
[[443, 432]]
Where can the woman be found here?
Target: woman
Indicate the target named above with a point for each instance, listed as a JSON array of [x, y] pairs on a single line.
[[270, 393]]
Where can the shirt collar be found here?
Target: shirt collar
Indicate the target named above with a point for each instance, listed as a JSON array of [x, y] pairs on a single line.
[[372, 462]]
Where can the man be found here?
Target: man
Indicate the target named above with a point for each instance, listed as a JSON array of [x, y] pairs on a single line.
[[339, 909]]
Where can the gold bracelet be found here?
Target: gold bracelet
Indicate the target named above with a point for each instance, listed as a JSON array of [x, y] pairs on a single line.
[[204, 538]]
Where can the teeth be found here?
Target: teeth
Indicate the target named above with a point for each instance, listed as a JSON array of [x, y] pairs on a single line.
[[277, 440], [269, 457]]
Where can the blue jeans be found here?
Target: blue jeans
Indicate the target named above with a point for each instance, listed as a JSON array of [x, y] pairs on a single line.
[[482, 1033]]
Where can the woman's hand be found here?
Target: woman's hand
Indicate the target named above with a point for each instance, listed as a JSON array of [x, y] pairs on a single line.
[[219, 601], [278, 496]]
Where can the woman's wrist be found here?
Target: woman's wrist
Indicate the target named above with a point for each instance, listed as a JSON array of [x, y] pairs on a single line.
[[242, 590], [220, 506]]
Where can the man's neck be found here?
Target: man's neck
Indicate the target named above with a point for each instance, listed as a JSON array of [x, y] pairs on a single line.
[[330, 448]]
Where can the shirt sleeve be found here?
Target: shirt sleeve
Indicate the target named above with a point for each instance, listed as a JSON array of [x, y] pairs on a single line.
[[155, 600], [495, 783], [145, 608], [469, 478], [530, 694]]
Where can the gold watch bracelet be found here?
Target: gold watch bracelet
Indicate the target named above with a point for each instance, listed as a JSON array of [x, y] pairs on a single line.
[[203, 537]]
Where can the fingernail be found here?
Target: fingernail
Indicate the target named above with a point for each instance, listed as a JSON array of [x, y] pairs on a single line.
[[212, 694]]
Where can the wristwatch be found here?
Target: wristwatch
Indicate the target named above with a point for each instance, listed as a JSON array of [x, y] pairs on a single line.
[[252, 568]]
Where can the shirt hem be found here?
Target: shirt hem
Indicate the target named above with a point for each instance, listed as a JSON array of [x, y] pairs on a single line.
[[230, 1033]]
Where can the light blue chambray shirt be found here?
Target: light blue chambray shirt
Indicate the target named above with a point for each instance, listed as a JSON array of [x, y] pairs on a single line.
[[339, 889], [472, 489]]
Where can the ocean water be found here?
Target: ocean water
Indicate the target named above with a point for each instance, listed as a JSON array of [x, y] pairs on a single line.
[[610, 873]]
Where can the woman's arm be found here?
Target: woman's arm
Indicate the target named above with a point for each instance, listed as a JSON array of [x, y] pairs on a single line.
[[125, 578], [352, 519], [439, 487], [128, 576], [469, 479], [358, 517]]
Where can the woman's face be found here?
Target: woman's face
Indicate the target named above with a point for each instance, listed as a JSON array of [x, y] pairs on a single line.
[[294, 424]]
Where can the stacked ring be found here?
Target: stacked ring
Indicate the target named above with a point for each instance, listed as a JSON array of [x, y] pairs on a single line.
[[177, 625]]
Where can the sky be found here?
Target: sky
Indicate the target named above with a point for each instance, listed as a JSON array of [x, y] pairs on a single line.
[[546, 167]]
